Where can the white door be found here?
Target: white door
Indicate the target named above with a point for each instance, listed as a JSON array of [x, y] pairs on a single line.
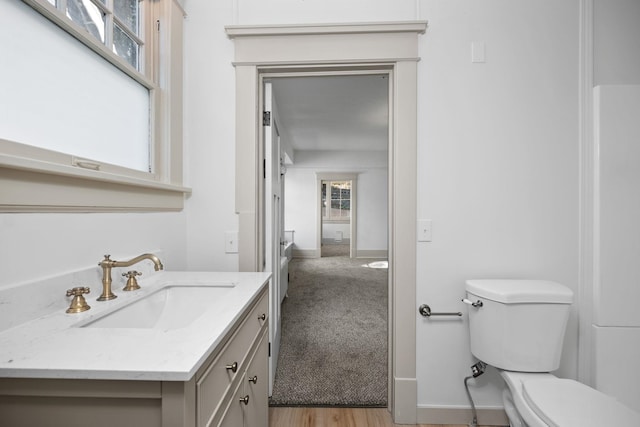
[[273, 224]]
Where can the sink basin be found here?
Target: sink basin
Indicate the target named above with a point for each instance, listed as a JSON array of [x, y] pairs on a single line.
[[172, 307]]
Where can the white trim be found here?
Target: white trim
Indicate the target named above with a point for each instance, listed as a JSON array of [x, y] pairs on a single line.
[[372, 253], [588, 221], [235, 31], [322, 48], [305, 253]]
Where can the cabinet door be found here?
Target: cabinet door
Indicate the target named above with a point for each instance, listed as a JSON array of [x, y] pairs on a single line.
[[256, 386], [233, 417]]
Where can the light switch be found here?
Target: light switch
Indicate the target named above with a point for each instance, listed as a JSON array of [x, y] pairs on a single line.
[[477, 52], [231, 242], [424, 230]]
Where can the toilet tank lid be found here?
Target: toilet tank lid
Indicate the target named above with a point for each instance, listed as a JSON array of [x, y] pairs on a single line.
[[513, 291]]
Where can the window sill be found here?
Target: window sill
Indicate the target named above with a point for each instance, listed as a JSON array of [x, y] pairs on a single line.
[[28, 185], [335, 221]]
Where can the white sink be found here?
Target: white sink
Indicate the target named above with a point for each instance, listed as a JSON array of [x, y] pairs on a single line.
[[171, 307]]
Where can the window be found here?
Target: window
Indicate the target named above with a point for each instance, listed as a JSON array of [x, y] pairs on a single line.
[[115, 23], [336, 200], [83, 101]]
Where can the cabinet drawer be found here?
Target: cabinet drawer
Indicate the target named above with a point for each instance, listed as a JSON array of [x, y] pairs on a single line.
[[253, 386], [217, 378]]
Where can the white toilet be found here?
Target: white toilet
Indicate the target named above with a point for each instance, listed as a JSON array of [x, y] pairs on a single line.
[[518, 326]]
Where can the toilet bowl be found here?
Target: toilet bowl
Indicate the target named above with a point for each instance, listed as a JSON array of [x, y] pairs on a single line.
[[517, 326]]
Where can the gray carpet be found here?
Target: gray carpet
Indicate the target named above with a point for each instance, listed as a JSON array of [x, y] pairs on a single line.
[[333, 349]]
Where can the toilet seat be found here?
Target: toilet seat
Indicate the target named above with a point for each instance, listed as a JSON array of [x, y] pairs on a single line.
[[568, 403], [544, 400]]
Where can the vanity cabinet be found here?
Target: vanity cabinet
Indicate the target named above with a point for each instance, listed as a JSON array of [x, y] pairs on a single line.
[[247, 407], [238, 372], [236, 369]]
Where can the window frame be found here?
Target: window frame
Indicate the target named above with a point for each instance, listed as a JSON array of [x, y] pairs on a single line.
[[145, 76], [33, 179], [107, 7]]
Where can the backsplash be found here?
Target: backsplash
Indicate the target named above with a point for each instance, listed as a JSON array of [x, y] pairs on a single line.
[[31, 300]]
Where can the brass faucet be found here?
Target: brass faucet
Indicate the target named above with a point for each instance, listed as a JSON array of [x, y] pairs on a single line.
[[107, 264]]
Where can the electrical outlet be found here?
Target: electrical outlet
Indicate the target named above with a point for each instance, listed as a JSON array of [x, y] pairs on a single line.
[[424, 230], [231, 242]]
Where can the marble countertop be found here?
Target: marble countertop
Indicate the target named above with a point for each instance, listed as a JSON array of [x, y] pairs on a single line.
[[57, 346]]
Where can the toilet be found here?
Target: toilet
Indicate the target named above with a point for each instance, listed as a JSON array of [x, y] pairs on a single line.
[[518, 327]]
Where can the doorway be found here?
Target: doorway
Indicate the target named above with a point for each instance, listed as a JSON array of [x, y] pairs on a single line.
[[336, 207], [331, 123], [342, 47]]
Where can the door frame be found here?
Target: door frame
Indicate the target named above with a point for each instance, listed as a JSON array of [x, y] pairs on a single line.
[[341, 47]]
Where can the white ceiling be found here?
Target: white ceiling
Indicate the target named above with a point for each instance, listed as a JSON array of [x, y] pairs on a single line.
[[333, 112]]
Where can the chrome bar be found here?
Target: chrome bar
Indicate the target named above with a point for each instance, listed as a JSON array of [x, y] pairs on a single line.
[[425, 310]]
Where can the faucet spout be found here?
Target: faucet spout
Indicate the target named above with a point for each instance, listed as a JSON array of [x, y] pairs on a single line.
[[157, 264], [107, 264]]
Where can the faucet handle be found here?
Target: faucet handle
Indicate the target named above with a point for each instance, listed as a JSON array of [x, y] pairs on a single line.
[[132, 283], [76, 292], [78, 304]]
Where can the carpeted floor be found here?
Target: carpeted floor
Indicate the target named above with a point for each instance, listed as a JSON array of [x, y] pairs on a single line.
[[333, 349]]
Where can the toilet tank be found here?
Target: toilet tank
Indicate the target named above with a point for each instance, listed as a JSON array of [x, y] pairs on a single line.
[[521, 324]]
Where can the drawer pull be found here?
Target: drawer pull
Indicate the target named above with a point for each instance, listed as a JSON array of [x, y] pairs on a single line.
[[262, 316], [254, 379], [245, 400], [233, 367]]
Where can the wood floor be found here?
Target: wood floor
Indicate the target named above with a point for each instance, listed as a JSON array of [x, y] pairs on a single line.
[[335, 417]]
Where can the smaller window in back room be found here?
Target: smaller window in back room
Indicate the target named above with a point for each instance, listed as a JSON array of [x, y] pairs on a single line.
[[336, 200]]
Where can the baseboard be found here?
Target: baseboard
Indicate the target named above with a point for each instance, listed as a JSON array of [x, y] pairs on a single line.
[[461, 415], [374, 253], [305, 253], [404, 401], [331, 241]]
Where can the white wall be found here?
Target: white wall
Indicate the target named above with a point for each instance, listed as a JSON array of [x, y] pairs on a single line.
[[209, 134], [498, 152], [330, 231], [301, 213], [616, 42], [616, 319], [616, 58], [498, 170], [35, 246]]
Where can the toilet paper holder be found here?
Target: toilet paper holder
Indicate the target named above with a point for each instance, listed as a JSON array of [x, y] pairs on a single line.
[[425, 311]]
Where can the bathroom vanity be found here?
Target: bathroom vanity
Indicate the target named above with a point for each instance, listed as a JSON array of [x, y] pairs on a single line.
[[188, 349]]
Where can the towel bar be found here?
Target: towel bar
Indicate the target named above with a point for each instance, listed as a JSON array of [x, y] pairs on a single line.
[[425, 310]]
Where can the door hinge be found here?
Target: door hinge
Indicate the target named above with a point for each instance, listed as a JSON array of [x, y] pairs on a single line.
[[269, 349], [266, 118]]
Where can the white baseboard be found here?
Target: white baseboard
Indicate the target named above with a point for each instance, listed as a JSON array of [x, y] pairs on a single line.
[[305, 253], [459, 415], [373, 253], [404, 409]]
